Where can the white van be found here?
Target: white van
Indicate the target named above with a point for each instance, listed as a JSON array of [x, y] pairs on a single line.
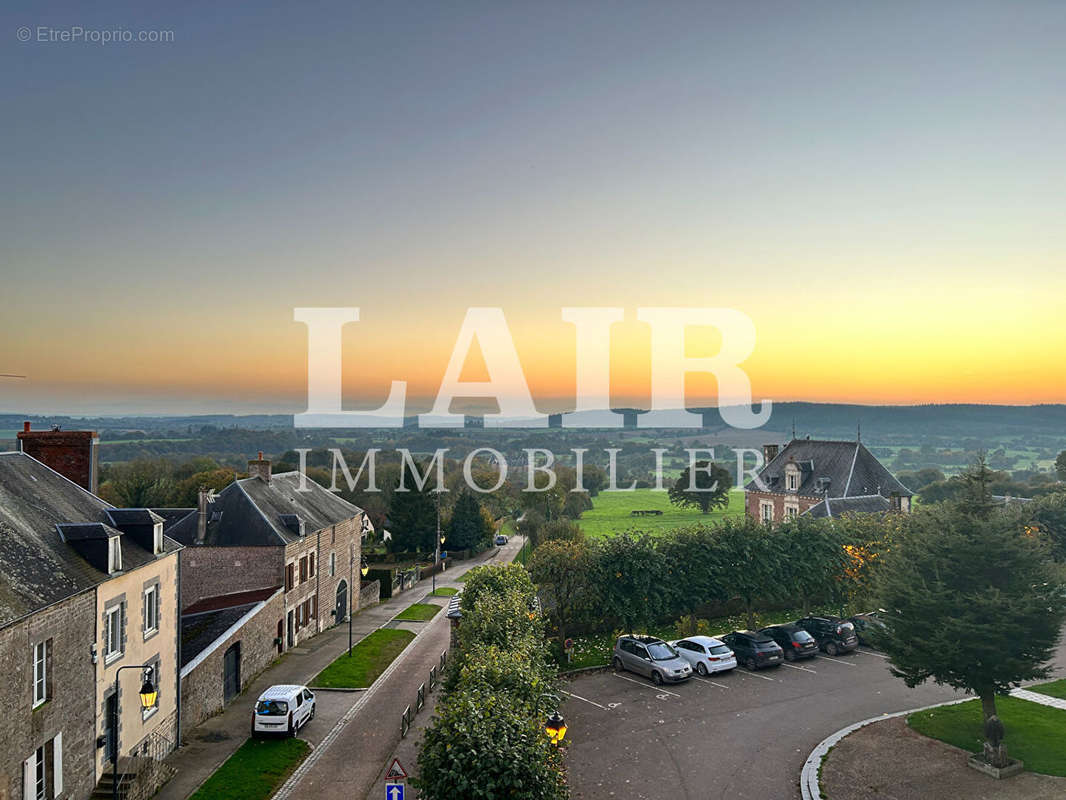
[[283, 709]]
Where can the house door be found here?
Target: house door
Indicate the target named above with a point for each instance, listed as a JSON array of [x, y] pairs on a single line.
[[110, 739], [231, 681], [291, 629], [342, 600]]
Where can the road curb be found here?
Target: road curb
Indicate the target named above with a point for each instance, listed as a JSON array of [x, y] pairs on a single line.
[[809, 787], [291, 782]]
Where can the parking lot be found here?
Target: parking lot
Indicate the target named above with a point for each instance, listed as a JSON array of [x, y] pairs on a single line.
[[734, 734]]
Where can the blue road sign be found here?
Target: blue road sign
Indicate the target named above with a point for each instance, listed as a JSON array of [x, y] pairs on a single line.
[[393, 791]]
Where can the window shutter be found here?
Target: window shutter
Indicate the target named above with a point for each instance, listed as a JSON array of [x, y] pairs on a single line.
[[29, 776], [57, 765], [122, 627]]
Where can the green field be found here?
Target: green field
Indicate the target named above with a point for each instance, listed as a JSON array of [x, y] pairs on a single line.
[[1052, 689], [611, 512], [418, 612], [1034, 733]]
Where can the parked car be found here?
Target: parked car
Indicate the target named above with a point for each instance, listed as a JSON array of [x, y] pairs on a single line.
[[754, 649], [705, 653], [501, 539], [833, 634], [283, 709], [867, 626], [793, 640], [652, 657]]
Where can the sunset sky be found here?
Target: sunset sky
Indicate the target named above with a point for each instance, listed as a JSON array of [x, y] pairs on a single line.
[[880, 187]]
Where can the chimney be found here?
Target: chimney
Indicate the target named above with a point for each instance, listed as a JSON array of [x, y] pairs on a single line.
[[73, 454], [202, 501], [897, 502], [769, 452], [259, 468]]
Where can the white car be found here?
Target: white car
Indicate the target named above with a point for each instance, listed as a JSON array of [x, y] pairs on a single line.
[[283, 709], [706, 654]]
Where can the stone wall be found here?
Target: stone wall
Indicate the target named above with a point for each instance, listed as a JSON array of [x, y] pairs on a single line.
[[215, 571], [370, 594], [202, 679], [69, 710]]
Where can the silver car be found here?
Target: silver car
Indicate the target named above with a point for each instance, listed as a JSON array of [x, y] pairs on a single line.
[[651, 657]]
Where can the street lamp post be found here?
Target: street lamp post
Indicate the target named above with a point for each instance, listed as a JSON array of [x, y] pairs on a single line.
[[149, 695], [364, 568], [554, 725], [436, 549]]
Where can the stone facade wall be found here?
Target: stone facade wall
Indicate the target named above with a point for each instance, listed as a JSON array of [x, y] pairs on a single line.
[[202, 685], [71, 626], [370, 594], [158, 648], [215, 571]]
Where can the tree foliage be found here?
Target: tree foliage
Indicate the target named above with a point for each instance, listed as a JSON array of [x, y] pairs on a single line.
[[706, 487], [563, 569], [413, 519], [469, 527], [971, 600]]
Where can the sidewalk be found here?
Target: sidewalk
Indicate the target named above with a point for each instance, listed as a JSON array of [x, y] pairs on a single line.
[[208, 745]]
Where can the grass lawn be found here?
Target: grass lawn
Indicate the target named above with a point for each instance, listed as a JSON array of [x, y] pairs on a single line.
[[1034, 733], [1053, 689], [255, 771], [418, 612], [444, 591], [610, 512], [369, 659]]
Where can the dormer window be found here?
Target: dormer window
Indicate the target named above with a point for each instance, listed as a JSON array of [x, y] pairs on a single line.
[[792, 481], [114, 555]]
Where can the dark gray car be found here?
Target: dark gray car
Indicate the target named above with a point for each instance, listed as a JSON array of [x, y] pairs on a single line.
[[651, 657]]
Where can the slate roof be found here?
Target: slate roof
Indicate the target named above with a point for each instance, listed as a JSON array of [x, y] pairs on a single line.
[[863, 504], [199, 631], [251, 512], [852, 471], [37, 568]]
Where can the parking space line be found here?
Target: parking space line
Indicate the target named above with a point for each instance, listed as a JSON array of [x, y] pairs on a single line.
[[656, 689], [805, 669], [752, 674], [872, 653], [579, 697], [830, 658], [704, 680]]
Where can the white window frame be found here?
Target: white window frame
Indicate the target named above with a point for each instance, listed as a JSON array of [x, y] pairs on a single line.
[[791, 512], [114, 555], [766, 511], [151, 608], [40, 673], [791, 481], [35, 771], [157, 538], [113, 626]]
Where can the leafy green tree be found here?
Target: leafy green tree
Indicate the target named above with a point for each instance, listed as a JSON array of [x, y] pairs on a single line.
[[1060, 465], [1048, 516], [561, 529], [972, 600], [694, 568], [563, 569], [494, 579], [632, 578], [413, 520], [815, 560], [755, 562], [706, 488], [187, 492], [484, 746], [530, 525], [917, 480], [139, 484], [468, 527]]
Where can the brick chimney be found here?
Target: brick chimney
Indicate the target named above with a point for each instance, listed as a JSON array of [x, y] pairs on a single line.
[[73, 454], [769, 452], [259, 468]]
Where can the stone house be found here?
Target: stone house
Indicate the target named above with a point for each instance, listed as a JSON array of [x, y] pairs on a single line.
[[274, 530], [84, 589], [822, 479]]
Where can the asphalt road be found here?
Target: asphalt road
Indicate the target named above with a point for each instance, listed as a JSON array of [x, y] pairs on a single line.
[[736, 734]]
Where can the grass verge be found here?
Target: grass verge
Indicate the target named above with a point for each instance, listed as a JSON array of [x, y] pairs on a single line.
[[1053, 689], [255, 771], [368, 660], [418, 612], [1034, 733], [444, 591]]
